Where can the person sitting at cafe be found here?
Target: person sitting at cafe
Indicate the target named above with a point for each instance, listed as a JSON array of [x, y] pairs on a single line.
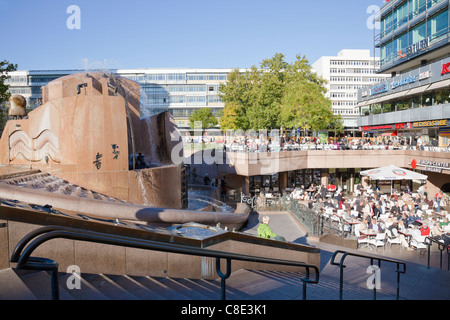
[[437, 232], [413, 219], [375, 226], [395, 209], [363, 226], [424, 230], [319, 204], [368, 211], [329, 204], [377, 211]]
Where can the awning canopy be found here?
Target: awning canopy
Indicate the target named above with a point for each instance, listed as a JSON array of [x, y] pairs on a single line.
[[418, 90], [392, 173], [439, 85]]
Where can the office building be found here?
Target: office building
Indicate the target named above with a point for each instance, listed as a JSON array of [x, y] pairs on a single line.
[[347, 72], [180, 91]]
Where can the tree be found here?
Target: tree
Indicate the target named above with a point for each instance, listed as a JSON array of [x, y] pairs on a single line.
[[277, 94], [305, 106], [5, 67], [337, 125], [233, 118], [205, 117]]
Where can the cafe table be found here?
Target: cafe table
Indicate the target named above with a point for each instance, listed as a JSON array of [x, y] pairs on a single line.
[[370, 234], [352, 223]]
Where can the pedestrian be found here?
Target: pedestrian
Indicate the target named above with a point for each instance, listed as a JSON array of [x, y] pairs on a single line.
[[264, 231]]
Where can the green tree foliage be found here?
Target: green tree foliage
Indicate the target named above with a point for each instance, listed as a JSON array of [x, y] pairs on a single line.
[[5, 67], [277, 94], [205, 117], [337, 125]]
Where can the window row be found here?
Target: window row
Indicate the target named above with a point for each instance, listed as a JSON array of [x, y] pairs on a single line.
[[426, 99], [433, 29], [353, 79], [186, 113], [200, 100], [404, 13], [350, 63]]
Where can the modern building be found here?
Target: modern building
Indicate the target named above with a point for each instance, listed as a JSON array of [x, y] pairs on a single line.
[[181, 91], [347, 72], [414, 43]]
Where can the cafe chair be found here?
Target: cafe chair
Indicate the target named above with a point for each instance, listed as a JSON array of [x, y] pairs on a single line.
[[359, 239], [378, 240], [392, 237], [419, 242]]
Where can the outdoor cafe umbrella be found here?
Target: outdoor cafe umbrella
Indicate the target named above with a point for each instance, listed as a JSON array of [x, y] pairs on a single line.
[[392, 173]]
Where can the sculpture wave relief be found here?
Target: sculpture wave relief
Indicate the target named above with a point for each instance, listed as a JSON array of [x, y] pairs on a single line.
[[34, 149]]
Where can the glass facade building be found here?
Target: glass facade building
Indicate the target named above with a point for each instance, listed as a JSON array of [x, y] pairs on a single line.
[[179, 91], [414, 44], [410, 28]]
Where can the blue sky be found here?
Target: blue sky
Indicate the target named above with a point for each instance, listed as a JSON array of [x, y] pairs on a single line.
[[178, 33]]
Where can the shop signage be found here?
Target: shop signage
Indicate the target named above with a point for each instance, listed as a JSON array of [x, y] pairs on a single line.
[[415, 48], [425, 75], [404, 82], [379, 89], [388, 127], [433, 166], [436, 123], [445, 69]]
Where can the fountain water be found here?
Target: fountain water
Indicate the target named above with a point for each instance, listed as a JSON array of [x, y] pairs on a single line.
[[200, 199]]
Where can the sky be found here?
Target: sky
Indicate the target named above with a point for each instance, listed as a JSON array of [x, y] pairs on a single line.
[[129, 34]]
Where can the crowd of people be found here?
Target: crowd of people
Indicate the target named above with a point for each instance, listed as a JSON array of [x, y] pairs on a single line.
[[404, 215], [283, 143]]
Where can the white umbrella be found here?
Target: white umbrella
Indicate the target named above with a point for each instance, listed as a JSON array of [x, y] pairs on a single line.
[[392, 173]]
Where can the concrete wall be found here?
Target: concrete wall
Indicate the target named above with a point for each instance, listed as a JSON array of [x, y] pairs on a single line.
[[100, 258], [252, 164]]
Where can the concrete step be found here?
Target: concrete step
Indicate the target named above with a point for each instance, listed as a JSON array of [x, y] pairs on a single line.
[[185, 287], [13, 288], [40, 284], [136, 286], [109, 288], [86, 290], [162, 289]]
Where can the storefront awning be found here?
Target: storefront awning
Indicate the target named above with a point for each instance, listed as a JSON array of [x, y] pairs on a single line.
[[439, 85], [373, 101], [393, 96], [362, 104], [418, 90]]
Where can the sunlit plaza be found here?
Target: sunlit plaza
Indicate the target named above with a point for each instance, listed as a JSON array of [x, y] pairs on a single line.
[[278, 179]]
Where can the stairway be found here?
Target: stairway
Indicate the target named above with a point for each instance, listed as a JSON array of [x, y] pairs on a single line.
[[242, 285]]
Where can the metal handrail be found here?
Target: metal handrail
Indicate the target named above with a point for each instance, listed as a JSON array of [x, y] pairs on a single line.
[[372, 258], [441, 247], [22, 254]]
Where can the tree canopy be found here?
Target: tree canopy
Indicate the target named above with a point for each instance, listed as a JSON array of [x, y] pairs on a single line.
[[278, 94], [203, 116], [5, 67]]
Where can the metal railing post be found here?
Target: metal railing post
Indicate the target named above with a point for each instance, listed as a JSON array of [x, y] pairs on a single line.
[[223, 277]]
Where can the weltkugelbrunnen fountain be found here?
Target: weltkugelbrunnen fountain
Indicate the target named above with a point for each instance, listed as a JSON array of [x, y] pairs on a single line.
[[78, 153]]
